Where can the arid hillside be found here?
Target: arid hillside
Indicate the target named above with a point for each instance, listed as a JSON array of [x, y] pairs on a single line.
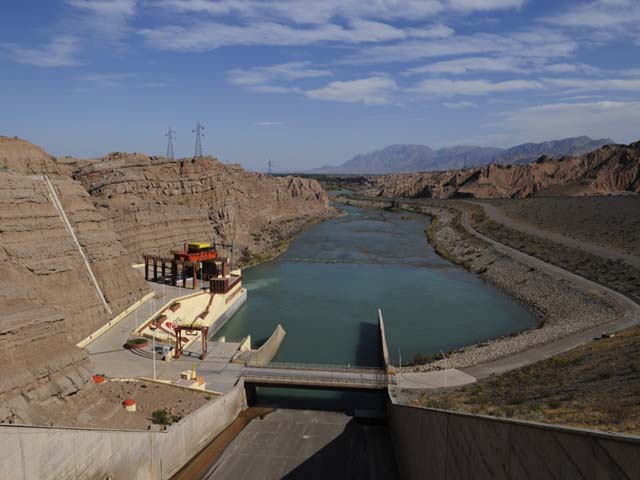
[[120, 206], [156, 204], [24, 157], [612, 169], [48, 300]]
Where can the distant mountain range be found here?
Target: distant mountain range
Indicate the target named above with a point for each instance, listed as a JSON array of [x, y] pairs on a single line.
[[420, 158]]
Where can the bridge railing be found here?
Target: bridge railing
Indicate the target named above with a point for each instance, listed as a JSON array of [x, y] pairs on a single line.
[[317, 366], [380, 381]]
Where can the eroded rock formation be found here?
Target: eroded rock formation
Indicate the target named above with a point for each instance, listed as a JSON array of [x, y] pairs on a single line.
[[132, 204], [156, 204], [612, 169]]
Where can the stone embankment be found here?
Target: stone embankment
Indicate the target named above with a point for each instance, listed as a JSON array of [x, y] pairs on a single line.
[[562, 307]]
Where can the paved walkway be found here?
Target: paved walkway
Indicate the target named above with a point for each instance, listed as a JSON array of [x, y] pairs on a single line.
[[450, 377], [610, 253], [629, 318], [109, 356]]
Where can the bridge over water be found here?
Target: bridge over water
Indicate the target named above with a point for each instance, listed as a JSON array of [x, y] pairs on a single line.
[[323, 377]]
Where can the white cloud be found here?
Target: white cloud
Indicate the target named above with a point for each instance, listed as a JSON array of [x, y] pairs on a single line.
[[105, 7], [268, 124], [376, 90], [105, 20], [600, 14], [590, 84], [320, 12], [540, 45], [459, 105], [60, 52], [209, 35], [618, 120], [571, 68], [284, 71], [449, 88], [95, 81], [470, 64]]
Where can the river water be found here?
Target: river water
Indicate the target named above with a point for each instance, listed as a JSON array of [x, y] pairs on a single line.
[[326, 288]]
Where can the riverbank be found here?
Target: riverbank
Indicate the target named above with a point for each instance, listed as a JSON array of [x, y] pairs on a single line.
[[281, 246], [563, 307]]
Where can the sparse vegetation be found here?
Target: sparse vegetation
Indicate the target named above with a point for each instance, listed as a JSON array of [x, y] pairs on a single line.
[[617, 275], [595, 386], [164, 417]]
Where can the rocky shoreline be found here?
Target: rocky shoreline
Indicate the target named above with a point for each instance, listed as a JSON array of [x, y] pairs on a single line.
[[562, 307]]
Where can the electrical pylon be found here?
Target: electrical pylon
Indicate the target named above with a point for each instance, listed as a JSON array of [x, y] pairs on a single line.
[[198, 131], [170, 138]]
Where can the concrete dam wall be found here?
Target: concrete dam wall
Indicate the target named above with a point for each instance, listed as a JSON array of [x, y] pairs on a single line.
[[266, 352], [83, 453], [442, 445]]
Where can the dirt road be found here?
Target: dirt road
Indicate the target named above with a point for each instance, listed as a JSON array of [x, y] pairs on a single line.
[[610, 253]]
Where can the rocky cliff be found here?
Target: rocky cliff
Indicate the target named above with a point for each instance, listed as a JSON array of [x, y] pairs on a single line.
[[156, 204], [24, 157], [612, 169], [48, 300], [120, 206]]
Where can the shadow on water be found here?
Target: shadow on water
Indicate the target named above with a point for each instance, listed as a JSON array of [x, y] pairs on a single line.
[[367, 349], [363, 451], [367, 354]]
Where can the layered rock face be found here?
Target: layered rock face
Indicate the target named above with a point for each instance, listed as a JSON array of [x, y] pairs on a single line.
[[132, 204], [612, 169], [48, 299], [156, 204], [24, 157]]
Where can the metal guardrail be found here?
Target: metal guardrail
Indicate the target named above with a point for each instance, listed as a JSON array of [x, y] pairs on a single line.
[[380, 383], [317, 367]]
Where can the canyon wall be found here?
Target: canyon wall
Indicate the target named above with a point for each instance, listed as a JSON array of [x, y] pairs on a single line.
[[48, 300], [156, 204], [613, 169], [119, 207]]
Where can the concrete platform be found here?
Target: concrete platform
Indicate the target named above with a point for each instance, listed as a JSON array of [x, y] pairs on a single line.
[[302, 444], [450, 377], [111, 358]]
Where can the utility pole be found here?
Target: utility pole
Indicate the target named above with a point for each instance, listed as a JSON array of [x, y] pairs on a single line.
[[445, 368], [170, 138], [198, 131], [153, 329]]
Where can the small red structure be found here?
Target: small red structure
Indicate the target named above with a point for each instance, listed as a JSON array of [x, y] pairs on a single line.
[[186, 261], [191, 328], [98, 379]]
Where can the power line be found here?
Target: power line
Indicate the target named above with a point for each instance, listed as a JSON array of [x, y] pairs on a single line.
[[198, 131], [170, 137]]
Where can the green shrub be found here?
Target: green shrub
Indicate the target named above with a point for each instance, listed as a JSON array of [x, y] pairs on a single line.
[[164, 417]]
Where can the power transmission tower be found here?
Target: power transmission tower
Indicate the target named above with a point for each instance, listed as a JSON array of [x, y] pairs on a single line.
[[198, 131], [170, 137], [270, 164]]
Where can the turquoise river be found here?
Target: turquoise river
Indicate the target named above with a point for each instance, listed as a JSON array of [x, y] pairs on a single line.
[[326, 288]]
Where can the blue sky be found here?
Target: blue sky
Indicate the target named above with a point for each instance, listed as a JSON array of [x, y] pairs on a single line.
[[308, 83]]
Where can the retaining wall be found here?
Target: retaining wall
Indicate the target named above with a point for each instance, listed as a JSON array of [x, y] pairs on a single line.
[[440, 445], [264, 354], [34, 453]]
